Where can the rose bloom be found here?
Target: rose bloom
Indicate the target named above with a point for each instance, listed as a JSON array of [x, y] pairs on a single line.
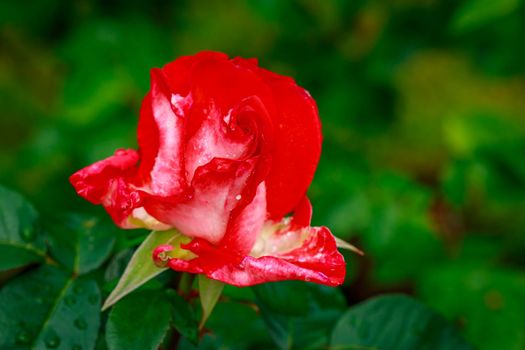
[[226, 151]]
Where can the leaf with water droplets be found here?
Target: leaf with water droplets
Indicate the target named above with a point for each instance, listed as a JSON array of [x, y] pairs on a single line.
[[395, 322], [21, 241], [47, 308], [140, 321], [80, 242], [141, 267], [303, 320], [210, 291]]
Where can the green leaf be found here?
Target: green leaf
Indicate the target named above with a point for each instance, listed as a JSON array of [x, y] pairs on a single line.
[[81, 243], [21, 242], [299, 314], [476, 13], [232, 326], [47, 308], [210, 291], [394, 322], [183, 317], [141, 267], [140, 321]]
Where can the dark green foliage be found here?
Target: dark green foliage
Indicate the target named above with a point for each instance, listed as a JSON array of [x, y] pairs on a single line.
[[47, 308], [20, 239], [423, 167], [139, 321], [299, 315], [395, 322]]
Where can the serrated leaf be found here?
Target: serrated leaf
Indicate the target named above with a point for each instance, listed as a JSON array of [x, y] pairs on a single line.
[[140, 321], [141, 267], [47, 308], [81, 243], [395, 322], [210, 291], [21, 241]]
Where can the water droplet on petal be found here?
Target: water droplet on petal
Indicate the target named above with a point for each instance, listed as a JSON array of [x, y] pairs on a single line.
[[80, 323], [238, 197]]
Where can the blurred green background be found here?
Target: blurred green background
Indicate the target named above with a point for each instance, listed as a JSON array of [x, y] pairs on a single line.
[[423, 110]]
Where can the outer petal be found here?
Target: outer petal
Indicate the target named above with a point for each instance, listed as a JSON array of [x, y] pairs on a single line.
[[161, 136], [281, 251], [110, 182], [296, 143], [316, 260]]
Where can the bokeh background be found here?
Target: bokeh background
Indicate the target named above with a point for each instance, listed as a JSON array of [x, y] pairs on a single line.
[[423, 110]]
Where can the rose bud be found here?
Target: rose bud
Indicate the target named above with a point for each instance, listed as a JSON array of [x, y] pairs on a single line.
[[226, 150]]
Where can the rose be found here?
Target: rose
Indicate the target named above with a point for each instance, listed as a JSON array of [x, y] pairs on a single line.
[[226, 150]]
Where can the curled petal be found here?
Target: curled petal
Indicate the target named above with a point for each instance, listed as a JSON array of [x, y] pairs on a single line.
[[110, 182], [217, 188], [160, 258], [160, 136], [93, 182], [309, 254], [245, 224]]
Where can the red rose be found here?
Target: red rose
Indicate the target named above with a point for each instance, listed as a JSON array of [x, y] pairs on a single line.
[[226, 150]]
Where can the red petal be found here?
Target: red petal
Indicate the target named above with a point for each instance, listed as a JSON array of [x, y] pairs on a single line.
[[179, 72], [160, 136], [217, 189], [297, 145], [245, 224], [107, 182], [316, 260]]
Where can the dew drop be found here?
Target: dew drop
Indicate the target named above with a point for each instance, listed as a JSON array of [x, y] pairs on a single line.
[[28, 234], [93, 299], [23, 337], [52, 341], [238, 197], [80, 323], [78, 289], [70, 300]]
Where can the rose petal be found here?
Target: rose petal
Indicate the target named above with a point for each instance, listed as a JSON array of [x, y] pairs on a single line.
[[110, 182], [160, 136], [296, 141], [246, 223], [205, 213], [316, 260]]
